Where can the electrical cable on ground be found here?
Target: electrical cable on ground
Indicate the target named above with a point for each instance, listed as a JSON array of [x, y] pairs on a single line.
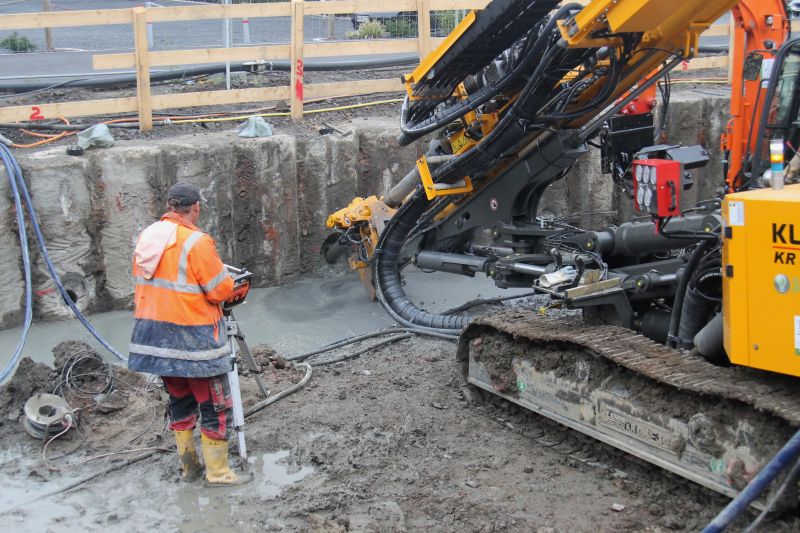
[[68, 381], [288, 113], [74, 449], [253, 409], [152, 451], [122, 452], [69, 418], [46, 138], [353, 355], [483, 301], [352, 340], [145, 430], [70, 129]]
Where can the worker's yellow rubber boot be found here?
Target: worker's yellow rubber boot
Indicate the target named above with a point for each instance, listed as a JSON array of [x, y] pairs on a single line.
[[218, 471], [187, 452]]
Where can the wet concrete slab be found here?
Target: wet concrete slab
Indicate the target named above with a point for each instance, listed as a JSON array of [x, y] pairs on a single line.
[[293, 318]]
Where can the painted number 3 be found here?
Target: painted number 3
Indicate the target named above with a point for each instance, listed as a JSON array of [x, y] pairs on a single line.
[[36, 113], [298, 85]]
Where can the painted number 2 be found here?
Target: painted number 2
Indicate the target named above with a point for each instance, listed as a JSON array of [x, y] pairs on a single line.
[[36, 113], [298, 84]]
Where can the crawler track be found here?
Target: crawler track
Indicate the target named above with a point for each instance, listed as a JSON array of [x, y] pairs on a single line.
[[716, 426]]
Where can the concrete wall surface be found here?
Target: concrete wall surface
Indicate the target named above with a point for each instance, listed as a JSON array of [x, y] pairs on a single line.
[[266, 200]]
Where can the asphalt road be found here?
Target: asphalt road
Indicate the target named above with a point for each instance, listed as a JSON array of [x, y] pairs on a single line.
[[166, 35], [77, 45]]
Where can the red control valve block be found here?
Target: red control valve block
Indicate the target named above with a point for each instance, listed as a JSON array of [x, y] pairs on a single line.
[[657, 186]]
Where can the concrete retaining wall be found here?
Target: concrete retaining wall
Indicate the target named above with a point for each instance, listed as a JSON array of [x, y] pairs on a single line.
[[266, 200]]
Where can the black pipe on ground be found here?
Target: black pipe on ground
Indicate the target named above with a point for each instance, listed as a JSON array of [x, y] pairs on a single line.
[[276, 66]]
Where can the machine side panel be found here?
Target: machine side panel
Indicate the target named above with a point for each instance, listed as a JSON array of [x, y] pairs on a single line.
[[734, 281], [762, 299], [773, 236]]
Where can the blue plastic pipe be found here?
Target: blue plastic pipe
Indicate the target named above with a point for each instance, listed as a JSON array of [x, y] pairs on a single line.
[[16, 172], [26, 264], [782, 459]]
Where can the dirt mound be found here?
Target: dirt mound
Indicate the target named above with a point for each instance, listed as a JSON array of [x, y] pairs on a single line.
[[111, 399], [265, 355], [86, 379], [63, 351], [30, 378]]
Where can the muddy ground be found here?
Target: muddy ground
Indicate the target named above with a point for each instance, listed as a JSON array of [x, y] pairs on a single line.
[[390, 441], [312, 123], [340, 116]]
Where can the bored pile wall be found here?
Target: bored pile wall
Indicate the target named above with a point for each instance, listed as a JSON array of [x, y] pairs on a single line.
[[266, 200]]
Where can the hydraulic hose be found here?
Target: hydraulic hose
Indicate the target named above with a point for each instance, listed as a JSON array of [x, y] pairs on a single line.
[[5, 154], [510, 129], [410, 133], [505, 135], [784, 458], [605, 92], [16, 172], [683, 284], [389, 286]]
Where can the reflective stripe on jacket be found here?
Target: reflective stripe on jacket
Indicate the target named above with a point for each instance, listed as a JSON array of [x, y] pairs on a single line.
[[179, 329]]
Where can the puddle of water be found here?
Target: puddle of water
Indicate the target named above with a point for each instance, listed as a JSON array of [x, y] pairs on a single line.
[[21, 489], [201, 510], [275, 475]]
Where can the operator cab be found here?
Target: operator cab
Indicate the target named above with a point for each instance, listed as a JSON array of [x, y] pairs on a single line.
[[779, 126]]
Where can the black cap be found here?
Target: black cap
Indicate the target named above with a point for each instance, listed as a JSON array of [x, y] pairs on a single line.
[[183, 194]]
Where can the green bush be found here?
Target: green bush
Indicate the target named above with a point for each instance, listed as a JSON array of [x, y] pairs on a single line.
[[443, 22], [401, 27], [368, 30], [15, 43]]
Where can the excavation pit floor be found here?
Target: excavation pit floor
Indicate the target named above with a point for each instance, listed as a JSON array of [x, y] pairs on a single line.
[[389, 441]]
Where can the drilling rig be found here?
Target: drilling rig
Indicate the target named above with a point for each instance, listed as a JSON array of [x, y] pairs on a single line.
[[686, 350]]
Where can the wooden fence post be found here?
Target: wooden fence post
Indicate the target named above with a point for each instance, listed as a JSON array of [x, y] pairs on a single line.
[[48, 33], [296, 78], [142, 69], [424, 27]]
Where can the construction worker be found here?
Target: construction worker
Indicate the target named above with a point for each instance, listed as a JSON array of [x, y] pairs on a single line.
[[179, 331]]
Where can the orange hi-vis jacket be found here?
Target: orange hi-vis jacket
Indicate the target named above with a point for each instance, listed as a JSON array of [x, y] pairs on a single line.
[[179, 329]]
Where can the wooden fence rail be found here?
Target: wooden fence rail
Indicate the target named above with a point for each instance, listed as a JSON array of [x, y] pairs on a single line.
[[142, 59]]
